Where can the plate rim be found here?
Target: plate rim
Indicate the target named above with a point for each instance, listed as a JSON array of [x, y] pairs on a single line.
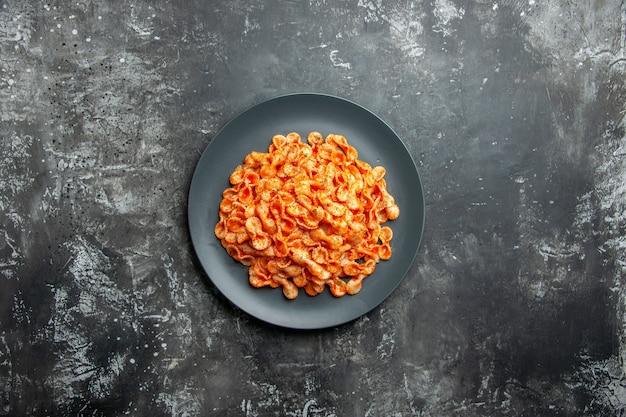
[[215, 139]]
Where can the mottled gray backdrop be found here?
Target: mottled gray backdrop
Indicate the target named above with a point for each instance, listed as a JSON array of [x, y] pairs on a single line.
[[512, 110]]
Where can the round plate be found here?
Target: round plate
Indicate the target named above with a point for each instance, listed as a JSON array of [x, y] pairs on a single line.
[[253, 130]]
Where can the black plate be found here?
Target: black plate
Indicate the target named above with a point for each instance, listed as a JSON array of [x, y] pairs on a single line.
[[253, 130]]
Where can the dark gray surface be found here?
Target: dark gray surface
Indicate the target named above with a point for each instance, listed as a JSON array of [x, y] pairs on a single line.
[[512, 110]]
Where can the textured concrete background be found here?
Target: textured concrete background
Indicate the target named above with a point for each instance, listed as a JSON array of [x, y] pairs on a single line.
[[512, 110]]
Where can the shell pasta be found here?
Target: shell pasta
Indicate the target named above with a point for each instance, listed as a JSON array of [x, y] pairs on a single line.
[[307, 215]]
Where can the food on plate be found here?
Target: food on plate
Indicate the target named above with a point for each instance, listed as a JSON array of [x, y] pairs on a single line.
[[307, 215]]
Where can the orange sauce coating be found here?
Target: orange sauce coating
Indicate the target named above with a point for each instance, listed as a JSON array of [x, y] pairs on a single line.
[[307, 215]]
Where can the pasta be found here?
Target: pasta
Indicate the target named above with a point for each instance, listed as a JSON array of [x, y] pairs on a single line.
[[307, 215]]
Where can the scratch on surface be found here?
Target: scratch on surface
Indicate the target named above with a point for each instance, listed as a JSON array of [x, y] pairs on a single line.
[[177, 289], [549, 250], [405, 22], [249, 26], [10, 262], [338, 62], [6, 374], [183, 402], [386, 346], [17, 178], [309, 406], [98, 297]]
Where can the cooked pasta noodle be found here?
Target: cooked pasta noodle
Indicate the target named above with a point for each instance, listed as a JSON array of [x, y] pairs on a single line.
[[307, 215]]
